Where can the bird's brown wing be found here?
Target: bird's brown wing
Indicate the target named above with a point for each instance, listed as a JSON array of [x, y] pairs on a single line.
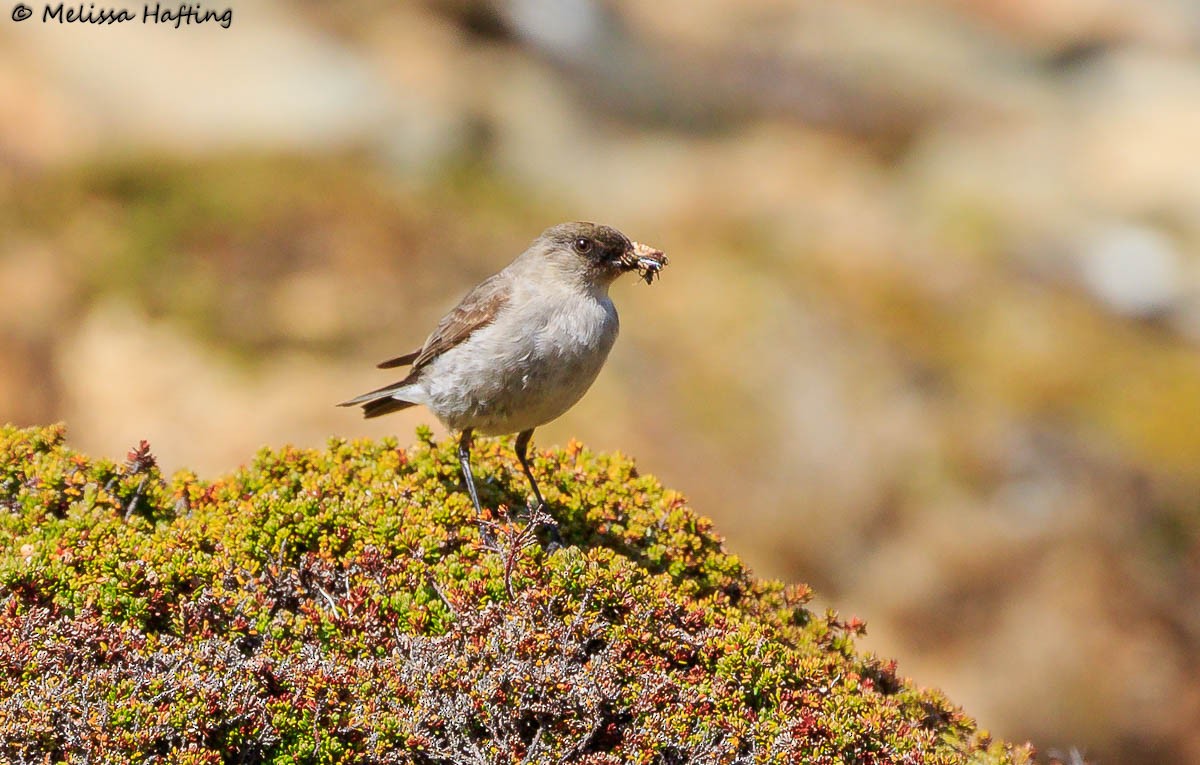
[[400, 361], [477, 310]]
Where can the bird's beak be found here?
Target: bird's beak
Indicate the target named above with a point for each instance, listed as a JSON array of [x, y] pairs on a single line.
[[644, 259]]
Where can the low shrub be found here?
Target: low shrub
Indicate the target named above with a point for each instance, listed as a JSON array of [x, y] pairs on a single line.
[[345, 605]]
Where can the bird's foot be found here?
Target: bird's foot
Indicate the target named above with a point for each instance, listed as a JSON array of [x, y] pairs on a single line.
[[540, 519], [554, 540], [487, 534]]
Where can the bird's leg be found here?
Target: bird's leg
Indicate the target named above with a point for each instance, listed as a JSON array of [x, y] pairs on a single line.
[[539, 515], [522, 448], [464, 459]]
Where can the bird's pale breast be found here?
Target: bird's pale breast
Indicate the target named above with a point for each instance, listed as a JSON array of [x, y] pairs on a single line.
[[529, 366]]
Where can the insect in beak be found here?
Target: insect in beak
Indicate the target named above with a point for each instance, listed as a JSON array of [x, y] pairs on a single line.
[[646, 260]]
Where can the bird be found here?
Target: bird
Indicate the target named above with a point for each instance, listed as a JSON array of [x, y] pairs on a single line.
[[523, 346]]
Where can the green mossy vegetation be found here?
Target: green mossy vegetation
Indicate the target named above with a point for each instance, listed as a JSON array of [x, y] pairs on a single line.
[[345, 605]]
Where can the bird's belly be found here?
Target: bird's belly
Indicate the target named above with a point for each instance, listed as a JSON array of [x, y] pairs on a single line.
[[514, 381], [540, 393]]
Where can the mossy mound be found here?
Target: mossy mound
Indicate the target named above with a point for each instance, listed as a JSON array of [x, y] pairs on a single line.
[[343, 606]]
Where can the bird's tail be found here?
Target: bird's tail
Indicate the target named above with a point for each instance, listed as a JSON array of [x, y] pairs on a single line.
[[381, 401], [384, 406]]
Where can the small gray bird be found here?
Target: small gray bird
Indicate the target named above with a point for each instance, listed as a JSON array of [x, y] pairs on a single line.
[[524, 345]]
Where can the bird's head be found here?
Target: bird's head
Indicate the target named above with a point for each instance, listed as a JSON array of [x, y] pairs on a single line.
[[598, 254]]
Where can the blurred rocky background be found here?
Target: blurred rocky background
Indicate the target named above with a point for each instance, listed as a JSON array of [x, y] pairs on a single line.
[[930, 339]]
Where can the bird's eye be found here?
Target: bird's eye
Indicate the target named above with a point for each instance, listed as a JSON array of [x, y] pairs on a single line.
[[582, 245]]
